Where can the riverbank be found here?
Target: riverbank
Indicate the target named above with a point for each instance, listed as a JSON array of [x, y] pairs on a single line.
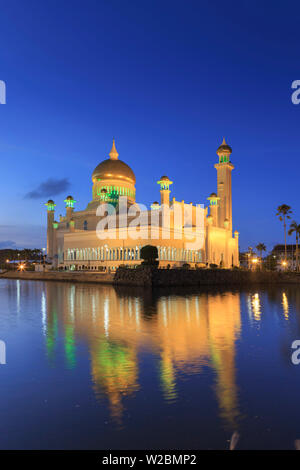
[[67, 276], [148, 276]]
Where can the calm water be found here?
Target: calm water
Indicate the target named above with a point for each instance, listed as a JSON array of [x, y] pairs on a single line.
[[98, 367]]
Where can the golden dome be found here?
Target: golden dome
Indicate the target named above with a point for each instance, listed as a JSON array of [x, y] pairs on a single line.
[[113, 168]]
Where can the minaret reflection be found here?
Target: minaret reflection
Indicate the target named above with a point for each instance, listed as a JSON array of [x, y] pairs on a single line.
[[199, 331], [51, 329], [224, 329], [59, 308], [186, 333]]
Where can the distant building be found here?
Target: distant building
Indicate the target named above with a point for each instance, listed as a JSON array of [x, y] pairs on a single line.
[[278, 252], [244, 259], [73, 241]]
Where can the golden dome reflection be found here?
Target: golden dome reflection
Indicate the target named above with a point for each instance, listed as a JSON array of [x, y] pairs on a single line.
[[183, 334]]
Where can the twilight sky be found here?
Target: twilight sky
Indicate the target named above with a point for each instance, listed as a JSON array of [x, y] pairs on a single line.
[[167, 79]]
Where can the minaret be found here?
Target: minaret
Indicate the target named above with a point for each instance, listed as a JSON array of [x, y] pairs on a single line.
[[165, 183], [50, 229], [214, 208], [69, 207], [224, 168]]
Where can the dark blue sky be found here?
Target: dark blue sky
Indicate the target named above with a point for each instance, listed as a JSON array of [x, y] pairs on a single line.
[[167, 79]]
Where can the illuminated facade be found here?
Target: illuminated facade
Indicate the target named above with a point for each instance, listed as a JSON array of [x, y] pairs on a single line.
[[73, 242]]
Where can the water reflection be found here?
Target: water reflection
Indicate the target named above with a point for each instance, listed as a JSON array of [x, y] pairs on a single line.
[[187, 357], [254, 307], [186, 333], [285, 305]]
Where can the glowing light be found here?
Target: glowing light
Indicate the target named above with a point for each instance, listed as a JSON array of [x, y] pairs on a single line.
[[164, 184], [70, 202], [285, 305], [213, 200], [50, 206], [21, 267], [254, 260]]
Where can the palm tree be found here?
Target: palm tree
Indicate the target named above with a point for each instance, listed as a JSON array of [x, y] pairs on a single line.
[[260, 248], [294, 227], [283, 212]]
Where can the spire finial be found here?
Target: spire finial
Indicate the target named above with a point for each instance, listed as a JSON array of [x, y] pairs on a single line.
[[224, 141], [113, 153]]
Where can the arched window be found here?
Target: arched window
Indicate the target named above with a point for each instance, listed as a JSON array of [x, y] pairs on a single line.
[[85, 225]]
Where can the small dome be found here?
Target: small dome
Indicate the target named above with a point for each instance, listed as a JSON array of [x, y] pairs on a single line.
[[164, 178], [155, 203], [224, 148], [213, 195], [69, 198], [50, 201]]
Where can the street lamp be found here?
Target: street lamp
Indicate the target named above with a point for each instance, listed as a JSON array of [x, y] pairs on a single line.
[[44, 250], [254, 261], [284, 264]]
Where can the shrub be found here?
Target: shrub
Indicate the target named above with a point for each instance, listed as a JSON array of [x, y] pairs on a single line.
[[149, 254], [186, 266]]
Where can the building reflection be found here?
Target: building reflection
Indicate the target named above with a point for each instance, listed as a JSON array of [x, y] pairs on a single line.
[[254, 307], [186, 333]]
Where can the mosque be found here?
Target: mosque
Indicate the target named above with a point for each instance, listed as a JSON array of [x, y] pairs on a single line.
[[75, 242]]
